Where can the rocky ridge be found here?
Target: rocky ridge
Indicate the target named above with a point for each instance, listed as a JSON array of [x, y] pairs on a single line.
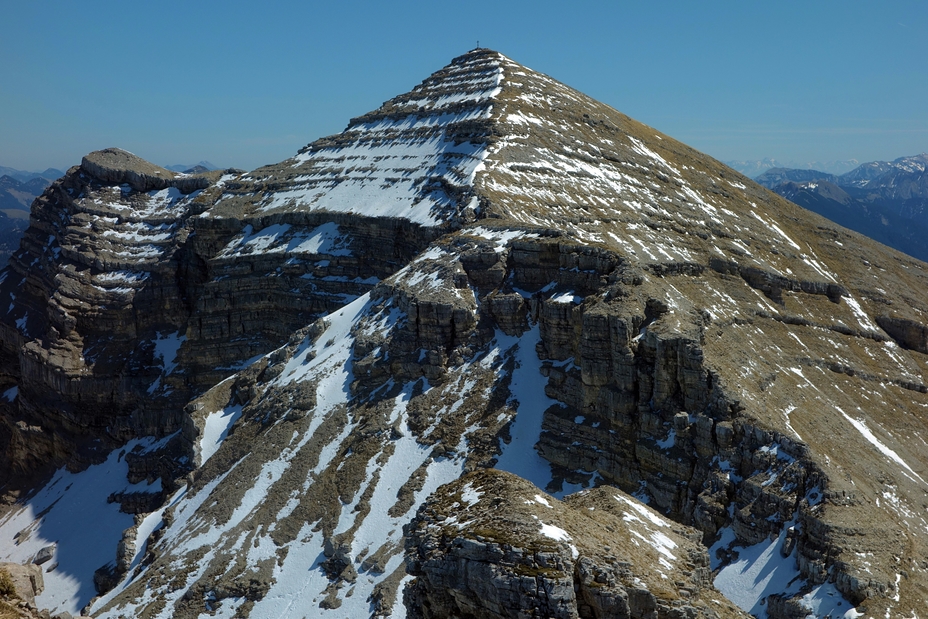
[[495, 270], [96, 310]]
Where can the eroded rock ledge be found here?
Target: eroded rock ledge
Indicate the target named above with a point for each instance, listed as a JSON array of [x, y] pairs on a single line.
[[493, 545], [116, 166]]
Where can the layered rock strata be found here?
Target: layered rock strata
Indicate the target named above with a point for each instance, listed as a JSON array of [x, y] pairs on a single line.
[[493, 545], [492, 270], [96, 311]]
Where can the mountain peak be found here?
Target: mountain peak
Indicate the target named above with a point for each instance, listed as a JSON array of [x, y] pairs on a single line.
[[490, 270], [420, 150]]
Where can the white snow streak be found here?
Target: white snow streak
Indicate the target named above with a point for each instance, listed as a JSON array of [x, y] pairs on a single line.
[[861, 427]]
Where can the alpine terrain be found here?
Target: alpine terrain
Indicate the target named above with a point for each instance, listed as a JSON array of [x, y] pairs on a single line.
[[495, 350], [759, 167], [886, 200]]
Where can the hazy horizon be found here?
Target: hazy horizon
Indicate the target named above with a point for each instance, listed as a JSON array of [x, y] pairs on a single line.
[[780, 163]]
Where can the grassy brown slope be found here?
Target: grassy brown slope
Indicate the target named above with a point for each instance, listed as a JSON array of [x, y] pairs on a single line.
[[770, 288]]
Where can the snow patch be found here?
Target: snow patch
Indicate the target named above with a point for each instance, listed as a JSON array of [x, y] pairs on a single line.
[[556, 533], [216, 429], [520, 456], [72, 512], [861, 427]]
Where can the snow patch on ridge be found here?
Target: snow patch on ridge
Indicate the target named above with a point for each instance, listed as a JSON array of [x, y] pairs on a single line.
[[381, 185], [861, 426], [165, 353], [216, 429], [281, 238], [519, 456], [299, 581]]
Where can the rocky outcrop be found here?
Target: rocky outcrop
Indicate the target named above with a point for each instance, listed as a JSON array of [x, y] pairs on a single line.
[[96, 312], [25, 581], [117, 167], [907, 333], [493, 545], [309, 265], [128, 298], [19, 586]]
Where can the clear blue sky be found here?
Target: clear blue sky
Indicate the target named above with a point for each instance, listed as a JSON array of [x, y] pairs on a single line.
[[238, 85]]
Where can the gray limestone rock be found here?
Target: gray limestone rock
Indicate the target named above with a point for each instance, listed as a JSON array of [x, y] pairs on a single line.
[[44, 555], [116, 166], [492, 545], [27, 580]]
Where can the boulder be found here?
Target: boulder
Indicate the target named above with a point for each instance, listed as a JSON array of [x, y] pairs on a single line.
[[26, 579]]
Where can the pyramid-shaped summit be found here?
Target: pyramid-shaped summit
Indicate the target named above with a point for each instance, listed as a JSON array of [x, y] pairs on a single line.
[[413, 158], [535, 151], [332, 373]]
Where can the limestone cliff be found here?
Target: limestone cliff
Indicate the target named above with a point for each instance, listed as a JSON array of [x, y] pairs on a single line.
[[490, 271], [96, 310]]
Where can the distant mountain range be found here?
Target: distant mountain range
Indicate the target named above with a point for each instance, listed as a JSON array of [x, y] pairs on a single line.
[[196, 168], [15, 200], [51, 174], [48, 174], [15, 194], [755, 168], [886, 200]]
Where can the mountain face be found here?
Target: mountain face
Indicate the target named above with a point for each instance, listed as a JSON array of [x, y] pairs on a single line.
[[777, 176], [887, 201], [195, 168], [16, 195], [11, 231], [891, 176], [901, 179], [19, 194], [483, 534], [495, 350]]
